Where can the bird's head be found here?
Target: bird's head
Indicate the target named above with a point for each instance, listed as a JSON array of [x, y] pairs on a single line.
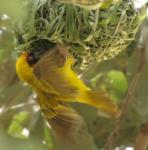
[[24, 65]]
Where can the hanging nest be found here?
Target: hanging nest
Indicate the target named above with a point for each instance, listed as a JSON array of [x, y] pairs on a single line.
[[93, 35]]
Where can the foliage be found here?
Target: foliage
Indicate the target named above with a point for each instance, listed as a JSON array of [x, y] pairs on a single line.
[[17, 128], [118, 84]]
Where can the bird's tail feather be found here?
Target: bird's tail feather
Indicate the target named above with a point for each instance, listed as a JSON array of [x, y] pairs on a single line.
[[100, 100], [62, 118], [66, 121]]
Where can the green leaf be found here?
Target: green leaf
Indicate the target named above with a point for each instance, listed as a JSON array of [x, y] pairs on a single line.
[[113, 14], [118, 84], [17, 127], [106, 4], [48, 137]]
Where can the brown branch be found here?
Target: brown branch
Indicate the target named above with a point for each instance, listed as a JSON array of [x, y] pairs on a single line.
[[126, 104], [141, 142]]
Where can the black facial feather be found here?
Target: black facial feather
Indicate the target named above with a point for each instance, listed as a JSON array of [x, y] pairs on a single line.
[[37, 49]]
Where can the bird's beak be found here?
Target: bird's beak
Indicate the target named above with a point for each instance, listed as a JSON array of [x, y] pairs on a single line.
[[24, 55]]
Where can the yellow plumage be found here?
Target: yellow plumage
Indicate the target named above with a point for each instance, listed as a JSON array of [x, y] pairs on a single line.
[[56, 83]]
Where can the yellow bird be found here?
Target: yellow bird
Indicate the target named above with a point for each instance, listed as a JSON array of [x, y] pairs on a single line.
[[55, 82]]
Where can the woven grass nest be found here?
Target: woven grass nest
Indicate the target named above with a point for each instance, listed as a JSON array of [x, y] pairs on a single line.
[[93, 35]]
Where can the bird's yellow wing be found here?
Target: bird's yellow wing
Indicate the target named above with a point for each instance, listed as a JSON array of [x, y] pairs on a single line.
[[60, 78]]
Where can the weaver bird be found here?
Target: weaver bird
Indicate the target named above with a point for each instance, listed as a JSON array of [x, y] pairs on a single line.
[[55, 82]]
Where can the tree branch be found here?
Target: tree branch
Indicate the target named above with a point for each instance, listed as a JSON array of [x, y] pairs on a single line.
[[141, 142], [126, 103]]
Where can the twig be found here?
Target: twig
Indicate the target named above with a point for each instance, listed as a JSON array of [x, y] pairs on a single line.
[[5, 109], [118, 25], [128, 99]]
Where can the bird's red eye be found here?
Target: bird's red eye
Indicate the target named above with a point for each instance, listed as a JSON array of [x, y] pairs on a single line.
[[31, 59]]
